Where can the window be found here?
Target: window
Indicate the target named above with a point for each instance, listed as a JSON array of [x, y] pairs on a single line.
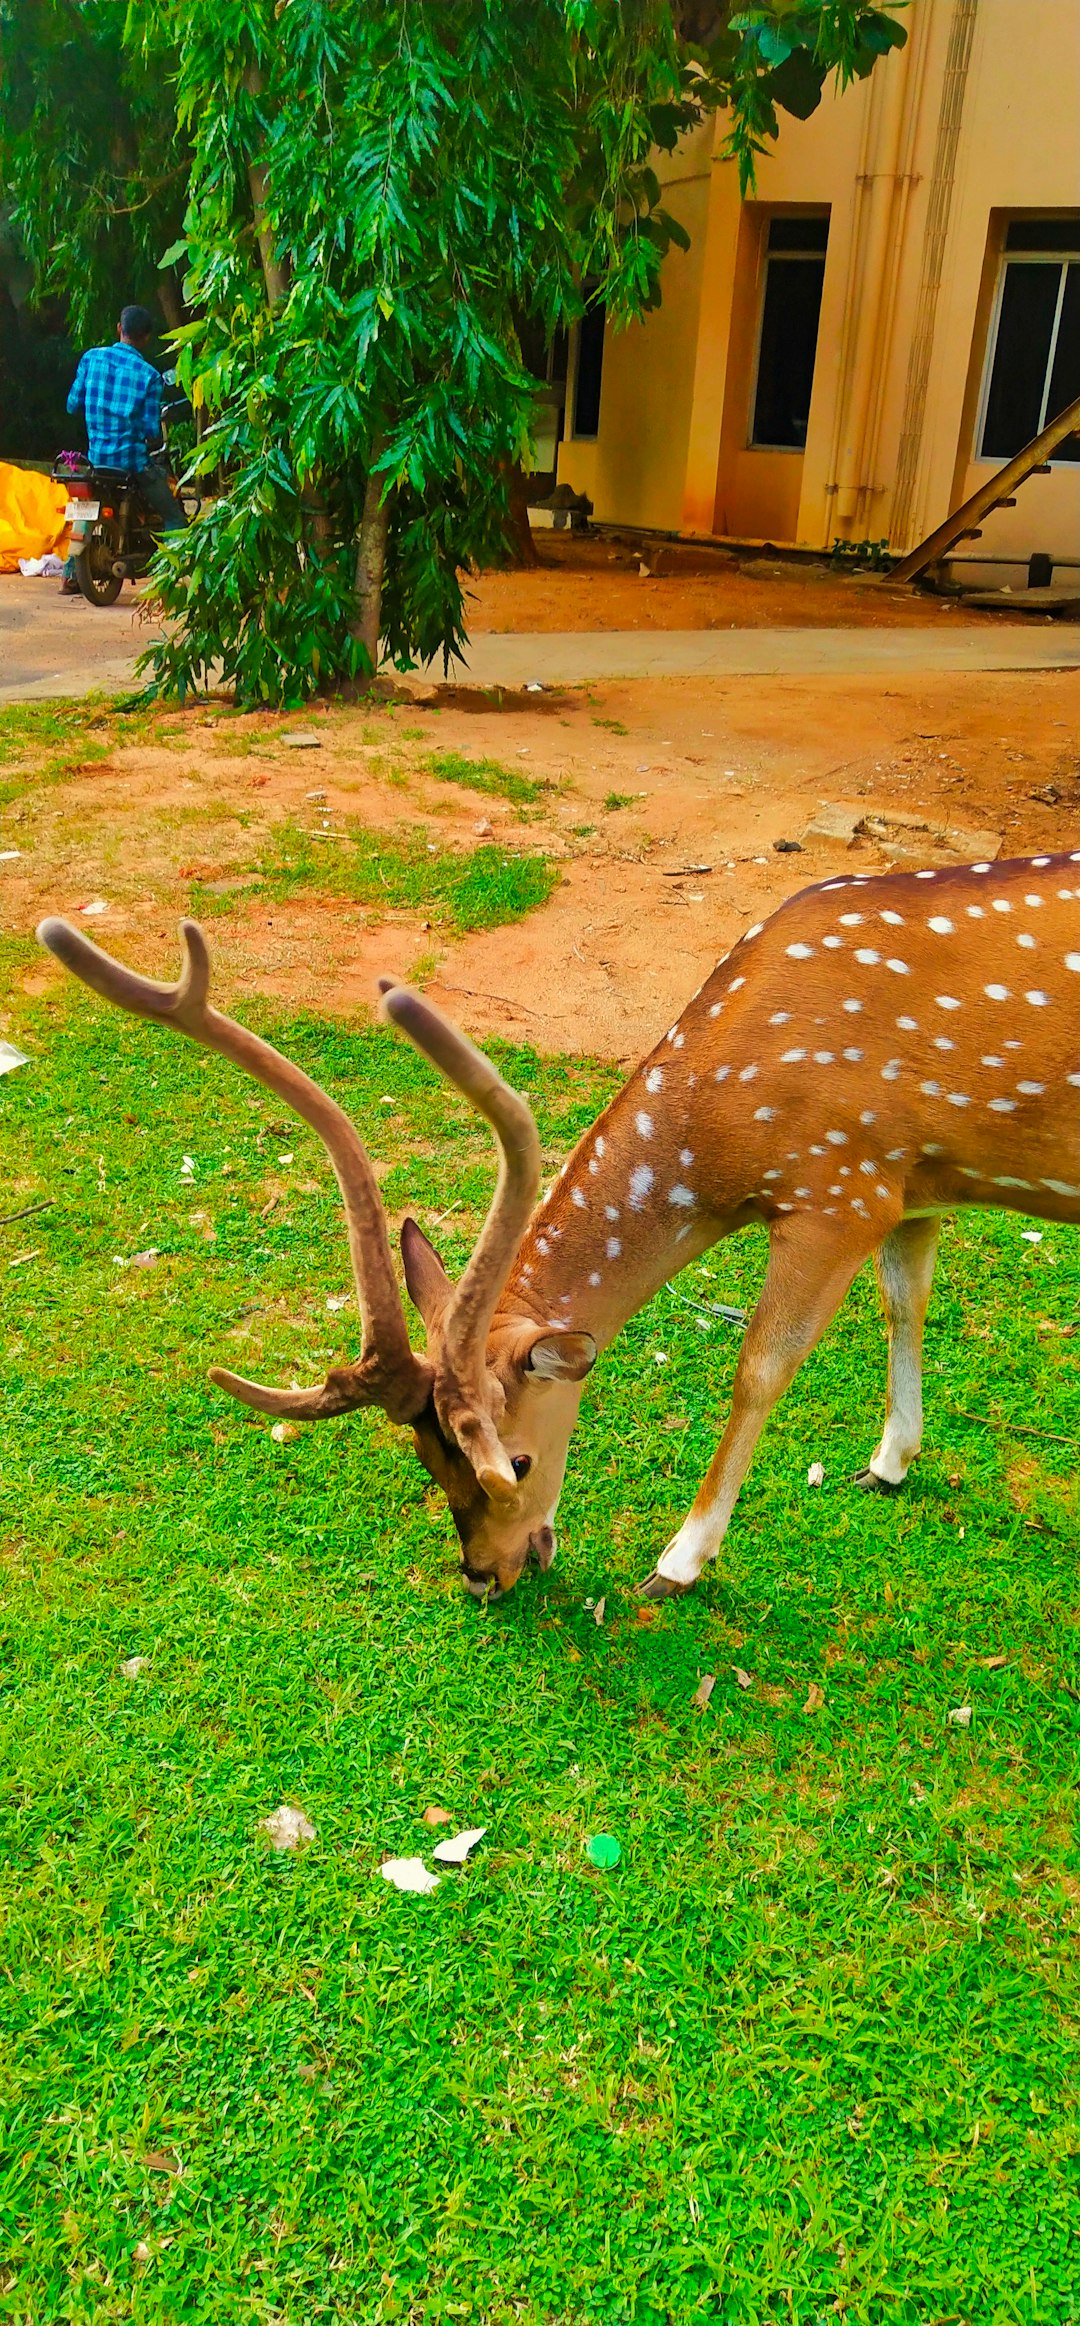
[[590, 369], [787, 346], [1035, 355]]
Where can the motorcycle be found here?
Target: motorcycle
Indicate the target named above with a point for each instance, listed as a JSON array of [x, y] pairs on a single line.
[[113, 533]]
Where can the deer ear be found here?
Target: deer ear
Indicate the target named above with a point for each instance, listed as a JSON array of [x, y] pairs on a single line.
[[425, 1276], [562, 1356]]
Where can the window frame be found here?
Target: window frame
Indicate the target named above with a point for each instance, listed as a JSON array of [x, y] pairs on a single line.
[[1063, 260], [822, 215]]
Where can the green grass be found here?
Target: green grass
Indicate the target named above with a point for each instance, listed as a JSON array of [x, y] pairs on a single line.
[[618, 799], [483, 889], [809, 2052], [484, 775]]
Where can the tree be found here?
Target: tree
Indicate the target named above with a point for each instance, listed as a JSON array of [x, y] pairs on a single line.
[[92, 163], [377, 195]]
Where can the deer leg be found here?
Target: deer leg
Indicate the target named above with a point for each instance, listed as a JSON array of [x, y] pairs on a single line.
[[811, 1265], [905, 1272]]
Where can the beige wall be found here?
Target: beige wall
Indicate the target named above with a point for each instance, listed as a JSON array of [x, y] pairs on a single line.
[[977, 117]]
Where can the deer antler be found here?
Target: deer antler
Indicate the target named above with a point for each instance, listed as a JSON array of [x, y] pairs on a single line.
[[462, 1394], [388, 1373]]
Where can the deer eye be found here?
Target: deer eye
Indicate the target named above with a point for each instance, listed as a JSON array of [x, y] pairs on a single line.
[[521, 1464]]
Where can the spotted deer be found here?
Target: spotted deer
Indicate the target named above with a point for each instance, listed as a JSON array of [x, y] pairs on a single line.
[[881, 1051]]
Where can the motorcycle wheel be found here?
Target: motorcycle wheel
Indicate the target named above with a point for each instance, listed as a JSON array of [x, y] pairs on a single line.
[[94, 566]]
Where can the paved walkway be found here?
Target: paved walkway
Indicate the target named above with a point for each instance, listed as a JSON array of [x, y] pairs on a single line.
[[570, 657], [53, 646]]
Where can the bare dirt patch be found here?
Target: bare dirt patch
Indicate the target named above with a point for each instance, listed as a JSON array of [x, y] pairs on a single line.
[[595, 582], [662, 802]]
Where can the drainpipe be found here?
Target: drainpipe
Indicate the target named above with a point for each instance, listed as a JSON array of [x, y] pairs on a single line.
[[884, 187]]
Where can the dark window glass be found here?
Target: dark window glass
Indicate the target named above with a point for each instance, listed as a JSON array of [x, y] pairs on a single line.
[[1044, 234], [789, 330], [1021, 354], [590, 371], [799, 234], [1065, 376]]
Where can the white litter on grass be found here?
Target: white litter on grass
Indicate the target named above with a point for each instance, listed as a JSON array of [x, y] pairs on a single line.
[[99, 906], [960, 1716], [815, 1475], [336, 1300], [145, 1259], [187, 1166], [409, 1874], [288, 1828], [1031, 1235], [48, 568], [534, 686], [10, 1058], [455, 1849], [283, 1431], [8, 855], [284, 1158], [599, 1611], [133, 1665]]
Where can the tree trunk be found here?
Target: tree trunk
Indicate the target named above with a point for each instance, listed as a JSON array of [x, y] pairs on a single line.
[[522, 546], [276, 271], [366, 624], [169, 300]]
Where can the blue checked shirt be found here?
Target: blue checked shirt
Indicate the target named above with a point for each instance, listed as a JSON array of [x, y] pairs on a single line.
[[119, 396]]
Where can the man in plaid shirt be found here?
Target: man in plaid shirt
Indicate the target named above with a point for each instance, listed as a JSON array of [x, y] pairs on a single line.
[[118, 393]]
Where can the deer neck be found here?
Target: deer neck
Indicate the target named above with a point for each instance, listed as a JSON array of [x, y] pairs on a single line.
[[623, 1216]]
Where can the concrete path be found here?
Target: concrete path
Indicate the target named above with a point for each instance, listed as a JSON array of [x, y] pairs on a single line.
[[52, 646], [571, 657]]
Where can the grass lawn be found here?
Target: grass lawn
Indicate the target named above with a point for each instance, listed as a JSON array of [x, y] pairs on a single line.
[[808, 2052]]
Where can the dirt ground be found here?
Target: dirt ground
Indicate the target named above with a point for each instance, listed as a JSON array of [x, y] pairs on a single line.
[[595, 582], [652, 892]]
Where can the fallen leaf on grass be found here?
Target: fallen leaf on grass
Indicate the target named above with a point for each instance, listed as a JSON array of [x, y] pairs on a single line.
[[648, 1614], [283, 1431], [815, 1698], [992, 1663], [742, 1679], [409, 1874], [160, 2160], [960, 1716], [703, 1691], [133, 1665], [336, 1300], [455, 1850], [288, 1828], [23, 1257], [598, 1611], [435, 1816]]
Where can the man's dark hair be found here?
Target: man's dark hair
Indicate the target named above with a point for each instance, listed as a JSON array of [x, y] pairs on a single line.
[[136, 323]]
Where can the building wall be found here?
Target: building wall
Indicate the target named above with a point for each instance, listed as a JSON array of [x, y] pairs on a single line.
[[976, 118]]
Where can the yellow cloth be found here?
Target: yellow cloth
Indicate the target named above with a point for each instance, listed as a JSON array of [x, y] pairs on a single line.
[[31, 515]]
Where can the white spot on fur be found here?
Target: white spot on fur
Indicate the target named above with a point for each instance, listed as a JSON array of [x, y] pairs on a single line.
[[853, 1057], [643, 1125], [764, 1114], [1072, 960], [837, 1138], [654, 1080], [947, 1001], [747, 1073], [853, 1005], [800, 952], [686, 1157], [1031, 1089], [899, 968], [996, 992], [613, 1247], [641, 1183], [792, 1057], [682, 1197], [1038, 999], [721, 1074], [940, 926], [1003, 1106], [867, 956], [578, 1196]]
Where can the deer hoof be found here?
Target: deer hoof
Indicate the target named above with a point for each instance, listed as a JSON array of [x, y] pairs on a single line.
[[872, 1484], [658, 1586]]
